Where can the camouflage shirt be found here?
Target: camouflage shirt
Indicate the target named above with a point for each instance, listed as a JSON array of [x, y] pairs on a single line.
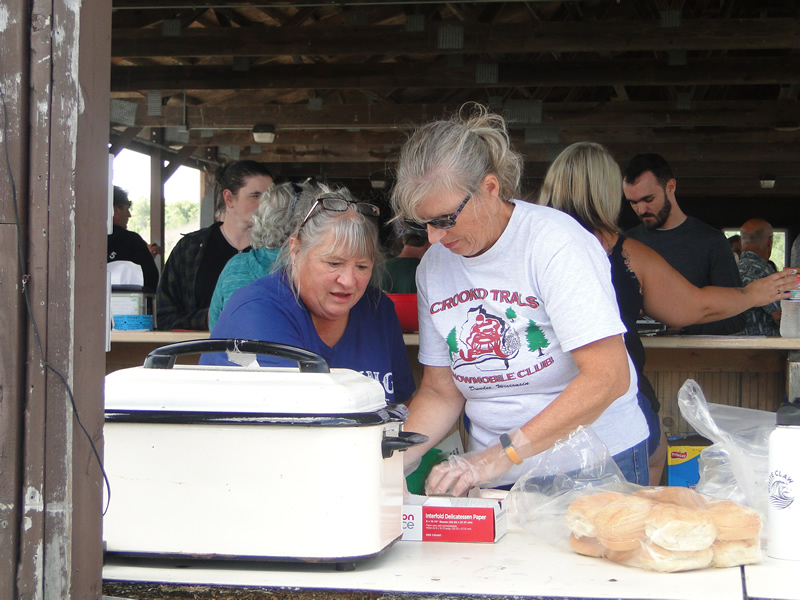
[[759, 319]]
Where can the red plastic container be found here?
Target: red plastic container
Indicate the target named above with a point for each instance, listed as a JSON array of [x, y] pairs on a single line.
[[406, 307]]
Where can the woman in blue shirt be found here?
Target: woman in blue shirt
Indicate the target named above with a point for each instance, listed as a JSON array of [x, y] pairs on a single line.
[[320, 297]]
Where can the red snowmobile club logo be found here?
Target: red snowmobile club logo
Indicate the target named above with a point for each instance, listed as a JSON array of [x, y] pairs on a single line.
[[487, 340]]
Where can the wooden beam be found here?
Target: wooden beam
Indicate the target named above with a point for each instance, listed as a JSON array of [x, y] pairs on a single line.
[[721, 152], [479, 38], [612, 114], [712, 71], [685, 170], [564, 135], [121, 141], [177, 162]]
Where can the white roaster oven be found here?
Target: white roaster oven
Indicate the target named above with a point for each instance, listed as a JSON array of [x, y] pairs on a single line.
[[251, 462]]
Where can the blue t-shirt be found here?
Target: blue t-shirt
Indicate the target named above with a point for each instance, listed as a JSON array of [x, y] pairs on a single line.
[[372, 343]]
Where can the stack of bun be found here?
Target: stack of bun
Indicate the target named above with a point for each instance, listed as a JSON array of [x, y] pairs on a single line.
[[664, 529]]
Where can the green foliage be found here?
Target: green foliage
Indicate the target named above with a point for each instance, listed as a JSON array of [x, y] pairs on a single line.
[[140, 217], [181, 213], [510, 314], [179, 217], [778, 255]]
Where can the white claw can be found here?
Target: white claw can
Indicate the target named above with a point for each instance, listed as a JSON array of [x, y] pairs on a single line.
[[783, 509]]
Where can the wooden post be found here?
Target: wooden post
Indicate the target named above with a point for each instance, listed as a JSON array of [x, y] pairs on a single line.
[[52, 370], [13, 224], [157, 234]]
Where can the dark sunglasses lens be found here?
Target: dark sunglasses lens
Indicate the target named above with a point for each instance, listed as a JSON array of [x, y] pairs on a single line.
[[413, 225], [444, 223]]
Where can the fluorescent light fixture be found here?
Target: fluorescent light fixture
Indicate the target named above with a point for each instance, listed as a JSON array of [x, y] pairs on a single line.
[[787, 126], [264, 134], [377, 184], [767, 182]]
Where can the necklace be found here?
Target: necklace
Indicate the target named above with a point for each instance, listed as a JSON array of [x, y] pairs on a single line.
[[227, 239]]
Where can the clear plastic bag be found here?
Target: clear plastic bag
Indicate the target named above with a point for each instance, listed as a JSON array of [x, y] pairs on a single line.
[[595, 512], [735, 467], [539, 499]]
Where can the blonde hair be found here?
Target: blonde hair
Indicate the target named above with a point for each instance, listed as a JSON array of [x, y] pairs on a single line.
[[454, 156], [585, 182]]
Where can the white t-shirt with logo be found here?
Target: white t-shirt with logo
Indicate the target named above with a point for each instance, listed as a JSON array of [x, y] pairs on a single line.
[[506, 321]]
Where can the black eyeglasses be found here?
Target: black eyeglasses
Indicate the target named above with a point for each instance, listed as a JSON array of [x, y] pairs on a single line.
[[440, 223], [339, 204]]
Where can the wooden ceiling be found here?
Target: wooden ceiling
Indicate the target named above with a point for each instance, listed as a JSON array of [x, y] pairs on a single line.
[[712, 85]]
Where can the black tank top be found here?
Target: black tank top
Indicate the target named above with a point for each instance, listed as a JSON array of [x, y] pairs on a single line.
[[631, 302]]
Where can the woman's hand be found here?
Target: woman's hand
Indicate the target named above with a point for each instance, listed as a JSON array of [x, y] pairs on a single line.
[[772, 288], [462, 472]]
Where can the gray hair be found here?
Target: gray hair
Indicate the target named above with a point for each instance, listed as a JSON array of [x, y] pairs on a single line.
[[454, 156], [273, 220], [585, 182], [355, 235]]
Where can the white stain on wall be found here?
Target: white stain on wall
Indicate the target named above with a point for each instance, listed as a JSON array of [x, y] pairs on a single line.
[[4, 20]]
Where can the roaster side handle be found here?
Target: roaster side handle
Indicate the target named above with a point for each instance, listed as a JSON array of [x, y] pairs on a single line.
[[404, 441], [164, 357]]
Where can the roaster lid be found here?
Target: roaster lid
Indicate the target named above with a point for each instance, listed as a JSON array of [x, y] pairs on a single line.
[[262, 390]]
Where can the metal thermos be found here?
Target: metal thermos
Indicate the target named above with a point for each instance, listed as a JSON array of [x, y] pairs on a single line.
[[783, 508]]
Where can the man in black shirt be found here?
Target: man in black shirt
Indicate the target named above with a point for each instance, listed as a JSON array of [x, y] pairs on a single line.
[[697, 251], [127, 245]]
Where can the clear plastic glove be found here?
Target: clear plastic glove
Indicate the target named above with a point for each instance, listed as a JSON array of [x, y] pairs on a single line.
[[460, 473]]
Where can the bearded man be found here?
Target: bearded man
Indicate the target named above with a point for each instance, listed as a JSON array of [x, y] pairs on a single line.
[[697, 251]]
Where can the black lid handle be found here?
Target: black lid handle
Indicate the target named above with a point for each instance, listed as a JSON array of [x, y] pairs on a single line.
[[164, 357]]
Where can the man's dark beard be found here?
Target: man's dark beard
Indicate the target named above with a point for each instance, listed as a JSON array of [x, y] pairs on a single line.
[[660, 218]]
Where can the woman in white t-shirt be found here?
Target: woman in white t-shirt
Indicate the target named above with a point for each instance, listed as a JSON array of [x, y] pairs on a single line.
[[519, 326]]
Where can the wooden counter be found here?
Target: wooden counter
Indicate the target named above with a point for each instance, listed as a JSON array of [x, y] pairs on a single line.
[[739, 371], [130, 348]]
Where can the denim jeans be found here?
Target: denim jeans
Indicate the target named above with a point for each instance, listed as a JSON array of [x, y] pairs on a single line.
[[633, 463], [653, 424]]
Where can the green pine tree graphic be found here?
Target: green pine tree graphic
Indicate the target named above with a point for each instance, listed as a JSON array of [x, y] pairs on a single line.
[[452, 343], [510, 314], [536, 338]]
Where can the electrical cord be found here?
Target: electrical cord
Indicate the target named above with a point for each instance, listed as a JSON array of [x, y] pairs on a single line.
[[25, 278]]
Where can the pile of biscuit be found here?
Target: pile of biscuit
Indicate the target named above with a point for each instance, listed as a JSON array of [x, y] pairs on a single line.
[[664, 529]]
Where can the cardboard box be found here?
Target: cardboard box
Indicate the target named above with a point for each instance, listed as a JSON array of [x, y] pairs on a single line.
[[438, 519], [683, 454]]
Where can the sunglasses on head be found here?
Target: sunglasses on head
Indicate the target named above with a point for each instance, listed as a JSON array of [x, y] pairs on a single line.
[[338, 204], [440, 223]]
